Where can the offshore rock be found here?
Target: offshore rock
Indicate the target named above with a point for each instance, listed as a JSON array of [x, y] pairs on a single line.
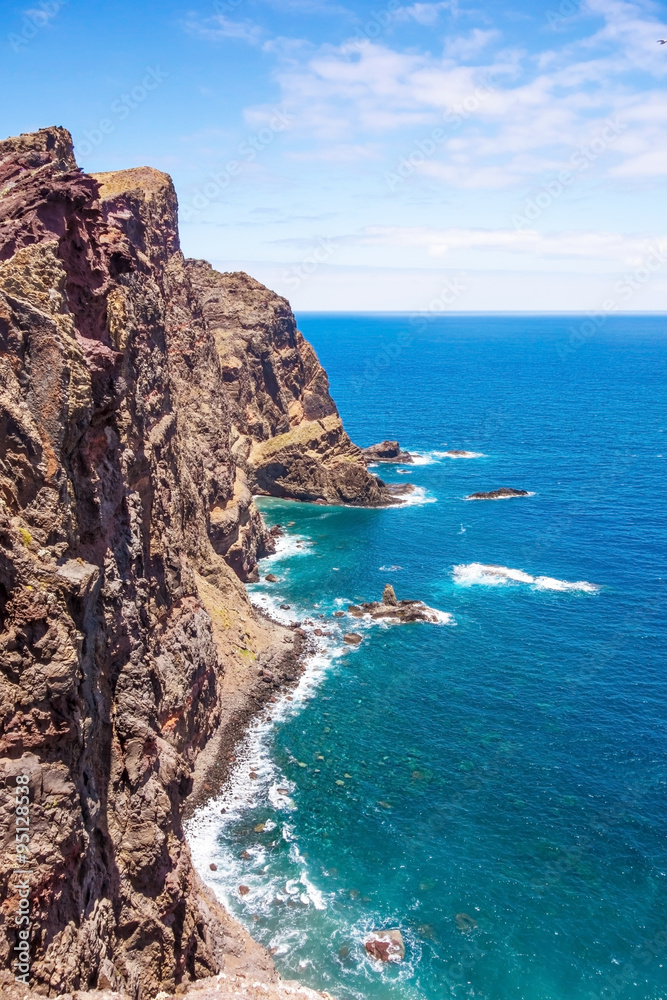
[[392, 610], [499, 494], [386, 946], [387, 451]]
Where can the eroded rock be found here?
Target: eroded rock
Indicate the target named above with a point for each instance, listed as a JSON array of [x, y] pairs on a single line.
[[387, 451]]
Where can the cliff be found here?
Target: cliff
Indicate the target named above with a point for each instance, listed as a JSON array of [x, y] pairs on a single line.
[[143, 398], [287, 434]]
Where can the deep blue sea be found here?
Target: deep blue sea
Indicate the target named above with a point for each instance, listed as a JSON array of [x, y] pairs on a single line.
[[508, 764]]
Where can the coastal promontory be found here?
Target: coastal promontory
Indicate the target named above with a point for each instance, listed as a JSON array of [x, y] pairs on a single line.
[[144, 399]]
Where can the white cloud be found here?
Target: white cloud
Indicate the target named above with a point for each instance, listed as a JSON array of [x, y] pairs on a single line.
[[627, 251], [425, 13], [468, 46], [538, 109], [219, 27]]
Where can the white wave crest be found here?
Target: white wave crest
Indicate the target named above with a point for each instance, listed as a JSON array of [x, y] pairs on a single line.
[[416, 498], [468, 574], [435, 457]]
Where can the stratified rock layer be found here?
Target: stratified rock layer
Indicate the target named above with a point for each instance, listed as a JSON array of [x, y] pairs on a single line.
[[126, 520], [288, 436]]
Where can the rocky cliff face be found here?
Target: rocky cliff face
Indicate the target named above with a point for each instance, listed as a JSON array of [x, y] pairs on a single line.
[[287, 434], [137, 413]]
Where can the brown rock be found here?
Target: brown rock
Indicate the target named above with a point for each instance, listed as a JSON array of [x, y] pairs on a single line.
[[270, 578], [386, 946], [244, 890], [290, 438], [213, 867], [389, 596], [387, 451], [119, 462], [353, 638], [499, 494]]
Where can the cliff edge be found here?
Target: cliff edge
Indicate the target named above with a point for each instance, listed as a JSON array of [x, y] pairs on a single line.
[[143, 398]]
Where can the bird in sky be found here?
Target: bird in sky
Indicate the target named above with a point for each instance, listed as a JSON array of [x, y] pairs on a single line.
[[662, 41]]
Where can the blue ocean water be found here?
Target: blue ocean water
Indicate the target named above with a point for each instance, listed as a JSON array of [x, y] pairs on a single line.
[[509, 765]]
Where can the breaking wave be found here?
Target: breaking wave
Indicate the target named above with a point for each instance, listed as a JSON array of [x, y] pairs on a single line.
[[469, 574]]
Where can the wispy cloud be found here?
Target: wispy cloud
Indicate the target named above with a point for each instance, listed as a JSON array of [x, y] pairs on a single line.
[[219, 27], [425, 13], [542, 108], [625, 250]]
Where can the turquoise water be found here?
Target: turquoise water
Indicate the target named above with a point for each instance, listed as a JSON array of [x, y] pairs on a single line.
[[508, 764]]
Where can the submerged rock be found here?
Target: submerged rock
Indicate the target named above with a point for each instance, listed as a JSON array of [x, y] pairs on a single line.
[[504, 491], [386, 946], [387, 451], [465, 923]]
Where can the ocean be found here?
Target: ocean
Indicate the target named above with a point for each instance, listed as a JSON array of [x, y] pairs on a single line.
[[493, 785]]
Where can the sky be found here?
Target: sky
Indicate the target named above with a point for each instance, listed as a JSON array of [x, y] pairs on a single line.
[[381, 155]]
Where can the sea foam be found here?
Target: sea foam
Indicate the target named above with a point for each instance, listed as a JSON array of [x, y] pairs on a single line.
[[435, 457], [468, 574]]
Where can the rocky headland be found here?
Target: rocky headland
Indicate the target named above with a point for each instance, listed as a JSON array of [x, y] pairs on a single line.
[[144, 399]]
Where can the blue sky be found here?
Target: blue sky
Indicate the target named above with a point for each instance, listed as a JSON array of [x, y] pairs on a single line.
[[381, 155]]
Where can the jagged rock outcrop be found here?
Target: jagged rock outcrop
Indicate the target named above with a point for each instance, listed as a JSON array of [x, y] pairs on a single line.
[[387, 451], [122, 512], [390, 609], [288, 435]]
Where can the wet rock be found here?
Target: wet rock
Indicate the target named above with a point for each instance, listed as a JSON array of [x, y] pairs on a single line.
[[352, 638], [386, 946], [213, 867], [270, 578], [387, 451], [395, 611], [286, 607], [246, 855], [504, 491], [244, 890], [339, 614]]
